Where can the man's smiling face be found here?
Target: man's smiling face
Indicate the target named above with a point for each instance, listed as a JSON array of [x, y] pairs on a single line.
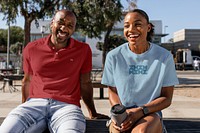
[[62, 27]]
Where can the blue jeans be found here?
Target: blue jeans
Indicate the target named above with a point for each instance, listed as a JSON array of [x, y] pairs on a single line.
[[36, 114]]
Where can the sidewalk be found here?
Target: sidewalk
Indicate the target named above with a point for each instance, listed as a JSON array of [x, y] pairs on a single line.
[[182, 116], [182, 106]]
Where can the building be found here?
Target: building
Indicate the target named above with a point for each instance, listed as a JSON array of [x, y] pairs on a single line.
[[188, 39], [118, 29], [41, 28]]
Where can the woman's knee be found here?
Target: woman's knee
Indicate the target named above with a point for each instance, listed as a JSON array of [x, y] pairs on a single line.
[[112, 129], [148, 124]]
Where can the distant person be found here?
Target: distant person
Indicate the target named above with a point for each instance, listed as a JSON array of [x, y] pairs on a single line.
[[140, 75], [57, 75], [196, 64]]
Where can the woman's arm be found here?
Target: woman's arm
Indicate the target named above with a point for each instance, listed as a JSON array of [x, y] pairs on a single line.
[[163, 101], [113, 96], [135, 114]]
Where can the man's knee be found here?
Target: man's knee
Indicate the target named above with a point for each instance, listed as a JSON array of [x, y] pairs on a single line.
[[72, 126], [17, 123]]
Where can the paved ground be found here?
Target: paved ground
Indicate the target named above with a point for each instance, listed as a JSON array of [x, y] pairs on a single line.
[[183, 108]]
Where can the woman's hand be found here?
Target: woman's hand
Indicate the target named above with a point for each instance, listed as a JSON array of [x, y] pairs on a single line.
[[134, 115]]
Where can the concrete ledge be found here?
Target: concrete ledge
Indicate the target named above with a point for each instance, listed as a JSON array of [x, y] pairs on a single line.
[[182, 125], [92, 126], [173, 125]]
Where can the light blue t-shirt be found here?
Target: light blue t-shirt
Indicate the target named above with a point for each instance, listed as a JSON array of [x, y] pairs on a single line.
[[139, 77]]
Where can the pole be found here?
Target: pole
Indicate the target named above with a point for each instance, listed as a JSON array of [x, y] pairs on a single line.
[[42, 30], [165, 31], [8, 47]]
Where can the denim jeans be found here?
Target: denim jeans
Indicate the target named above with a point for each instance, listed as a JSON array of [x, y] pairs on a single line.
[[36, 114]]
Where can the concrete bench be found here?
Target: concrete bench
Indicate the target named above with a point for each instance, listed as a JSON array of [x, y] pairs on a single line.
[[92, 126], [173, 125]]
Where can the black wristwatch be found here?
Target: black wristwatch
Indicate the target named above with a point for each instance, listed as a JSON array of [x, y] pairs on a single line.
[[145, 110]]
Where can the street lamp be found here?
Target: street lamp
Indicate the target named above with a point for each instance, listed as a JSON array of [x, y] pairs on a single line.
[[165, 31], [8, 47]]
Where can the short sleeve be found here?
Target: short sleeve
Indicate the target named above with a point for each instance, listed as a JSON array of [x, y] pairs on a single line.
[[26, 61], [108, 75], [87, 63], [170, 77]]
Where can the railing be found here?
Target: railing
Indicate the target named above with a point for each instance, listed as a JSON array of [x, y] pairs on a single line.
[[7, 76]]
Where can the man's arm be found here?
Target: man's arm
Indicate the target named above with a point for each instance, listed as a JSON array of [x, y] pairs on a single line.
[[25, 87], [87, 96]]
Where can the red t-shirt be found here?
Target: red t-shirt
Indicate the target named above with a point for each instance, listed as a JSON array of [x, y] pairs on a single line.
[[56, 74]]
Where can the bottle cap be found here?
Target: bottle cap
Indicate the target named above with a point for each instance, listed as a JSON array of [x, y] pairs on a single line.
[[118, 109]]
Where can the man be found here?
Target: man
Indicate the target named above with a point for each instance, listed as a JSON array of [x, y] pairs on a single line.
[[56, 75], [196, 64]]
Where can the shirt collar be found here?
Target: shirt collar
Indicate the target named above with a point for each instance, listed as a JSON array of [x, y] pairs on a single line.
[[70, 45]]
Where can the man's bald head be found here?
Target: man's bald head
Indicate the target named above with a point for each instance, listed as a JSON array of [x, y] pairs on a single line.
[[63, 14]]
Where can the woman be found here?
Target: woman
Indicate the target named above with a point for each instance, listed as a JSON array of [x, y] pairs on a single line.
[[141, 76]]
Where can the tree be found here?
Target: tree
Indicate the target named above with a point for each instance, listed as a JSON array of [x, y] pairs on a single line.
[[96, 17], [3, 40], [34, 10], [113, 42], [132, 4], [16, 35], [30, 10]]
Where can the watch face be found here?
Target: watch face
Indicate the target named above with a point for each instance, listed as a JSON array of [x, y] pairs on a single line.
[[145, 110]]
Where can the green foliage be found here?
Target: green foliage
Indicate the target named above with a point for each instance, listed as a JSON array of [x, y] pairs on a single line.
[[113, 42], [9, 10], [16, 35], [30, 10], [95, 16], [3, 37]]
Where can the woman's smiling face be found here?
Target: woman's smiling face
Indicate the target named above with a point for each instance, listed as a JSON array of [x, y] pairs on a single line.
[[136, 28]]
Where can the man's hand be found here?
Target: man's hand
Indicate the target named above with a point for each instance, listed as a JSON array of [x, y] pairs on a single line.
[[87, 96], [99, 116]]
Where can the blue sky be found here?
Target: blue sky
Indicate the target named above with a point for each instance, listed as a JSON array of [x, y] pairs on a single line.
[[175, 14]]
